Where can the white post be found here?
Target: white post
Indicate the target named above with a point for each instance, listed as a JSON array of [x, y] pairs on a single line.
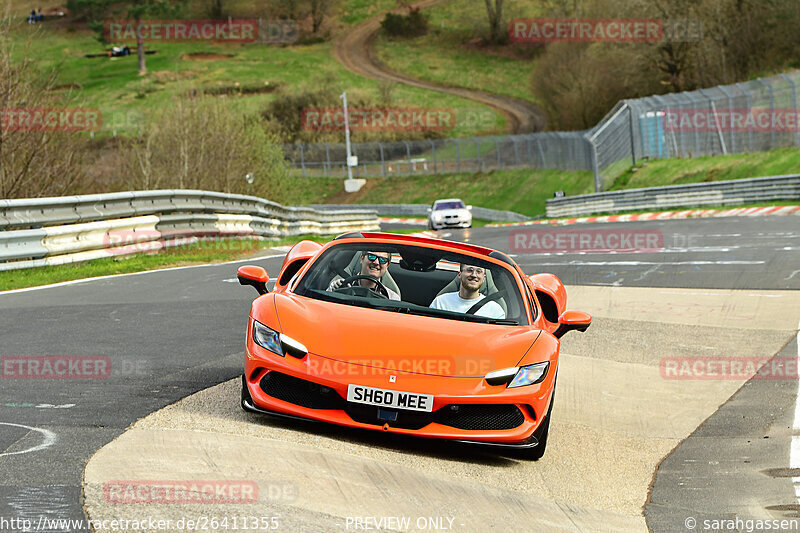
[[350, 185], [343, 96]]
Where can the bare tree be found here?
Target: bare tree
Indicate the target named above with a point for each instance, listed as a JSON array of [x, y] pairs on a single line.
[[319, 8], [35, 161], [494, 8], [200, 144]]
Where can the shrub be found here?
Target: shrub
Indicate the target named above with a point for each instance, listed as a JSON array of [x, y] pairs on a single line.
[[412, 25]]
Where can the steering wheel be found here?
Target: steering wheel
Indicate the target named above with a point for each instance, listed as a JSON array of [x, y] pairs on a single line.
[[358, 290], [483, 301]]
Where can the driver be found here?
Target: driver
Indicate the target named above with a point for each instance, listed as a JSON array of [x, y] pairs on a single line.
[[373, 264], [472, 279]]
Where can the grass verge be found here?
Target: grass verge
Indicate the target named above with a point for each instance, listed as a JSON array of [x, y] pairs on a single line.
[[526, 190], [209, 251]]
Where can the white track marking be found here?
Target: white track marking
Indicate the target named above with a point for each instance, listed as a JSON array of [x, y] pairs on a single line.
[[794, 452], [49, 438], [85, 280]]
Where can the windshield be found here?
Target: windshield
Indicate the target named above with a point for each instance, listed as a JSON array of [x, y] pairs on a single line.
[[415, 280], [457, 204]]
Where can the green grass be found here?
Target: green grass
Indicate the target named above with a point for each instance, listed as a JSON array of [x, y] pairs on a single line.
[[526, 190], [449, 54], [215, 251], [126, 99], [662, 172], [356, 11], [523, 191]]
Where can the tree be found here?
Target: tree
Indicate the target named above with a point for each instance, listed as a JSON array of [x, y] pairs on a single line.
[[98, 12], [319, 9], [200, 144], [494, 9], [34, 161]]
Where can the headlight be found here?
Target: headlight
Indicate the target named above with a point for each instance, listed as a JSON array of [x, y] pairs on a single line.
[[267, 338], [530, 375], [277, 343]]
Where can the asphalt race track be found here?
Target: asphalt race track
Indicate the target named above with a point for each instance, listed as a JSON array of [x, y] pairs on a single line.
[[631, 449]]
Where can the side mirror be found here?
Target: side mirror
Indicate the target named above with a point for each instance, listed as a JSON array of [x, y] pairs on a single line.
[[255, 276], [572, 320], [429, 210], [469, 207]]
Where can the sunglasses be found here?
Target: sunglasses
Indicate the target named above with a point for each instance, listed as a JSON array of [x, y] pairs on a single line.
[[375, 257]]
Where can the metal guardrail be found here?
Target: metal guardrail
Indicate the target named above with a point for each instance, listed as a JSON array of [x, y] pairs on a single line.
[[421, 210], [733, 192], [48, 231]]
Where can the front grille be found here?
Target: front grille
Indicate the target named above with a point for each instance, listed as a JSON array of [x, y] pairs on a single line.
[[474, 417], [301, 392]]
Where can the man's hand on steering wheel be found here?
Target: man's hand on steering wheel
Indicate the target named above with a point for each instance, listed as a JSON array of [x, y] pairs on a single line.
[[379, 288]]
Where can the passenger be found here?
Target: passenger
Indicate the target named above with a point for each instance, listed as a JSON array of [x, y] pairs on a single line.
[[374, 264], [468, 294]]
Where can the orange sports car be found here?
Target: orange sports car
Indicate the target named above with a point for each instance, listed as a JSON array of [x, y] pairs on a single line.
[[410, 335]]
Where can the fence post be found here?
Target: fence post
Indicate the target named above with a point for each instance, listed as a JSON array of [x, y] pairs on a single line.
[[516, 152], [749, 107], [598, 186], [327, 159], [408, 155], [631, 130], [771, 112], [529, 139], [479, 161], [497, 151], [433, 150], [794, 108], [458, 156], [302, 161], [383, 160], [730, 121]]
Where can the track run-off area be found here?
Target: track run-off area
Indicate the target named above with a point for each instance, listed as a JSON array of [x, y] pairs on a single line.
[[642, 436]]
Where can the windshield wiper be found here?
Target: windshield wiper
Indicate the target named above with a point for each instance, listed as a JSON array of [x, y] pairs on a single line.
[[503, 321]]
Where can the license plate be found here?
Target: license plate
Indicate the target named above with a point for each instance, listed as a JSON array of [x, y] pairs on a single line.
[[390, 398]]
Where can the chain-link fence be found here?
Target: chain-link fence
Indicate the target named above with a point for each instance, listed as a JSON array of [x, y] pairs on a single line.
[[744, 117], [556, 150]]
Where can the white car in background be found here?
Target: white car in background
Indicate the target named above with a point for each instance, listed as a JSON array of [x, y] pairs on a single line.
[[449, 213]]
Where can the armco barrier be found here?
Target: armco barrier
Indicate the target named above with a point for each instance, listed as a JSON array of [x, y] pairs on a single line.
[[720, 193], [421, 210], [48, 231]]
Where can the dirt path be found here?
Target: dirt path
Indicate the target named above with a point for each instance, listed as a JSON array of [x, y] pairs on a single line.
[[356, 53]]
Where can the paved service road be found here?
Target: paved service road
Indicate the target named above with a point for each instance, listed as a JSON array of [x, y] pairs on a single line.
[[169, 334]]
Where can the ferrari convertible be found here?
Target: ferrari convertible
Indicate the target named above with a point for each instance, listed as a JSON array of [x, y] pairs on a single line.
[[361, 332]]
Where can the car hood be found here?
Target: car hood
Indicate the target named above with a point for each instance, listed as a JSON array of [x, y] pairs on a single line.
[[452, 212], [402, 342]]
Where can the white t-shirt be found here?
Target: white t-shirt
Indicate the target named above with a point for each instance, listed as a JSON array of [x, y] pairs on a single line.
[[451, 301]]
